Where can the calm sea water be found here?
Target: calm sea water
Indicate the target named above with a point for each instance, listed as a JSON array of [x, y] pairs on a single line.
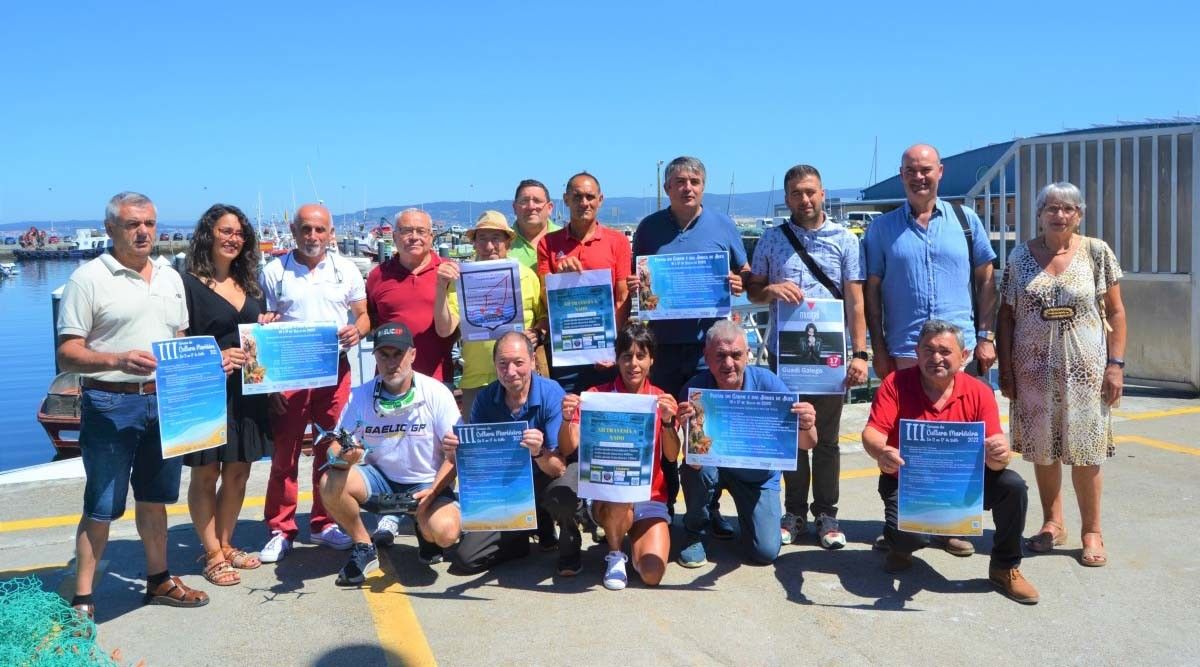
[[27, 346]]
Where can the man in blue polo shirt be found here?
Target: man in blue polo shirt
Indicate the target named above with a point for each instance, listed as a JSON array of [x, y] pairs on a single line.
[[683, 227], [919, 268], [519, 394], [755, 492]]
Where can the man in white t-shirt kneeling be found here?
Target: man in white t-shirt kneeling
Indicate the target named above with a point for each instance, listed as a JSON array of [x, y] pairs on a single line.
[[400, 417]]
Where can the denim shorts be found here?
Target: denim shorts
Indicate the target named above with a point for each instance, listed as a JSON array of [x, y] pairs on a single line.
[[120, 445], [378, 483]]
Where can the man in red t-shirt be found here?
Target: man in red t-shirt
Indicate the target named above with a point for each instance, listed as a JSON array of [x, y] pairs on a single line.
[[935, 390], [403, 289]]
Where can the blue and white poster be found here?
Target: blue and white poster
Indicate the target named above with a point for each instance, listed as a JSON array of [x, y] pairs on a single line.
[[682, 286], [811, 346], [489, 299], [941, 481], [288, 355], [742, 429], [583, 324], [616, 446], [192, 408], [495, 477]]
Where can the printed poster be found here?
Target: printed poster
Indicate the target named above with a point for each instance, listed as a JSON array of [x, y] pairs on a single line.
[[680, 286], [616, 446], [489, 299], [192, 408], [811, 346], [742, 429], [583, 327], [288, 355], [495, 477], [941, 481]]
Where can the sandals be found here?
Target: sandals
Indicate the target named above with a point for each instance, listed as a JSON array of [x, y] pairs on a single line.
[[220, 573], [240, 559], [1094, 556], [173, 593], [1045, 541]]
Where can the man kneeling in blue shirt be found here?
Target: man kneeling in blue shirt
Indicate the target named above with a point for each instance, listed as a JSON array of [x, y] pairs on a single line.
[[755, 492]]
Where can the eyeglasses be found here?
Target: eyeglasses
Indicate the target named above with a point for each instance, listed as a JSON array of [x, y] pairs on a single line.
[[1055, 209], [229, 233], [531, 202], [413, 231]]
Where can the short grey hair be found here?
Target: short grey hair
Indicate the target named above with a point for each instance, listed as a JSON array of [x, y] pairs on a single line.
[[684, 163], [412, 211], [112, 212], [514, 335], [724, 331], [939, 327], [1062, 191]]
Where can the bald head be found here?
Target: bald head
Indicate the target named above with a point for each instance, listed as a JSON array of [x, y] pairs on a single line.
[[312, 212], [920, 151], [921, 171], [312, 229]]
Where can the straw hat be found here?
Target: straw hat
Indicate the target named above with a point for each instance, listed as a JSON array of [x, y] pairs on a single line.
[[491, 220]]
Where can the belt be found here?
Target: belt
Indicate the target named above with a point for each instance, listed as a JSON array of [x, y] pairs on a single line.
[[140, 388]]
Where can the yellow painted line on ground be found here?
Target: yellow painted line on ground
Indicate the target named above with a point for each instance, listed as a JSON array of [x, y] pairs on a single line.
[[1157, 444], [73, 519], [396, 623], [32, 569], [1154, 414]]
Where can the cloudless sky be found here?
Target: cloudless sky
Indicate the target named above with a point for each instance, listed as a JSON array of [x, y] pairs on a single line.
[[405, 102]]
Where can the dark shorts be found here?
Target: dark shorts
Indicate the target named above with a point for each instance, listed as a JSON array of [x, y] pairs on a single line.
[[378, 483], [120, 446]]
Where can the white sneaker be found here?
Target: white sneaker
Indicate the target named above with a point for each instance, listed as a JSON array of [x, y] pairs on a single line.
[[831, 536], [276, 548], [614, 572], [386, 531], [334, 538]]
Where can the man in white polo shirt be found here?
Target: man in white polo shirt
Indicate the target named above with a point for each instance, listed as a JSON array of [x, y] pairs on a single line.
[[401, 416], [312, 285], [112, 308]]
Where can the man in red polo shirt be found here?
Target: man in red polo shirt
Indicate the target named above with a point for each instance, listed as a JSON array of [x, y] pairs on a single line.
[[584, 245], [403, 289], [936, 390]]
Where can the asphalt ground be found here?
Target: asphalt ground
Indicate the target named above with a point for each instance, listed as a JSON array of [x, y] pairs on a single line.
[[810, 607]]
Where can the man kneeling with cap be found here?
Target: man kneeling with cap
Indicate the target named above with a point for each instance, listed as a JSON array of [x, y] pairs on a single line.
[[400, 417], [936, 390]]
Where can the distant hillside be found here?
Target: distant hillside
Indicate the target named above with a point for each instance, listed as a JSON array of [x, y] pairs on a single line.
[[616, 210]]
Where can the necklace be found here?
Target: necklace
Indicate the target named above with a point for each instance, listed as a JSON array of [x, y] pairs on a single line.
[[1053, 252]]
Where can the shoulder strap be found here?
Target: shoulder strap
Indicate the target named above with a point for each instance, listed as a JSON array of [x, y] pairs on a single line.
[[809, 262], [970, 236]]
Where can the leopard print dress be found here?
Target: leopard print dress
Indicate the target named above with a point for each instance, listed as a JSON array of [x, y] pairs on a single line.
[[1058, 366]]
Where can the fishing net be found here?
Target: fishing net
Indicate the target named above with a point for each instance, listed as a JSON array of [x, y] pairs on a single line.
[[39, 628]]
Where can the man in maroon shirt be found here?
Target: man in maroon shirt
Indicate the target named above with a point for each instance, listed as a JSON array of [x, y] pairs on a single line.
[[403, 289], [936, 390]]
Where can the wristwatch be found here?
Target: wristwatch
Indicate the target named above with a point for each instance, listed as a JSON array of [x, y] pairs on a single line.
[[984, 334], [861, 354], [540, 454], [1119, 363]]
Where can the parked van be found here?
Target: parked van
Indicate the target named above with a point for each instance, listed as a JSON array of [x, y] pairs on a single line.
[[862, 218]]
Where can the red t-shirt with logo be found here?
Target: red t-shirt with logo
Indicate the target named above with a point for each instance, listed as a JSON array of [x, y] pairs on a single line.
[[658, 483], [901, 396]]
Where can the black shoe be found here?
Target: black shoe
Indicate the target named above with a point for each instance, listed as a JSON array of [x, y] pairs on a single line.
[[570, 566], [429, 553], [363, 559], [720, 527]]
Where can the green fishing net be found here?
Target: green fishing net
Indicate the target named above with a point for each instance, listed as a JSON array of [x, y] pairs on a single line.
[[38, 628]]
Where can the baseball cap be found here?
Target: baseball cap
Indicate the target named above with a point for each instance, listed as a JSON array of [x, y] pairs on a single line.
[[393, 334]]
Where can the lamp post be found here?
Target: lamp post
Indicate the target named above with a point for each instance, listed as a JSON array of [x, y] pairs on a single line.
[[658, 182]]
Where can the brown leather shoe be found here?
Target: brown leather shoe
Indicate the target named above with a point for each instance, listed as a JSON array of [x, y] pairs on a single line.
[[1011, 583], [955, 546], [897, 561]]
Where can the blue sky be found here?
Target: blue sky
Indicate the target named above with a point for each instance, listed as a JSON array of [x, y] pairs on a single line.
[[400, 103]]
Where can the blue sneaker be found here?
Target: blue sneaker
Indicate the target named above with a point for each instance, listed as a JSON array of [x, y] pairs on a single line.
[[363, 560], [693, 554], [720, 527]]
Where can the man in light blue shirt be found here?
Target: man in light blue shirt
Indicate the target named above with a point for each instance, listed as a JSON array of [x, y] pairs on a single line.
[[918, 269]]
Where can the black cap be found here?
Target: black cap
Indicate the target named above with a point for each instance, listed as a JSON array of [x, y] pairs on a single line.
[[393, 334]]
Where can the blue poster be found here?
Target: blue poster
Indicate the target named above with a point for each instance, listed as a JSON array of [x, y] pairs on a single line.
[[742, 429], [489, 299], [682, 286], [288, 355], [811, 346], [495, 477], [583, 327], [941, 481], [616, 446], [191, 395]]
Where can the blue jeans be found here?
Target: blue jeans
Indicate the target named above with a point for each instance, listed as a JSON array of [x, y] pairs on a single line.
[[757, 506], [378, 483], [120, 445]]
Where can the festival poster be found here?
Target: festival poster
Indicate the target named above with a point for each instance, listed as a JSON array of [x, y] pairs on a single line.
[[742, 429], [192, 408], [489, 299], [495, 477], [288, 355], [616, 446], [811, 346], [583, 327], [680, 286], [941, 481]]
